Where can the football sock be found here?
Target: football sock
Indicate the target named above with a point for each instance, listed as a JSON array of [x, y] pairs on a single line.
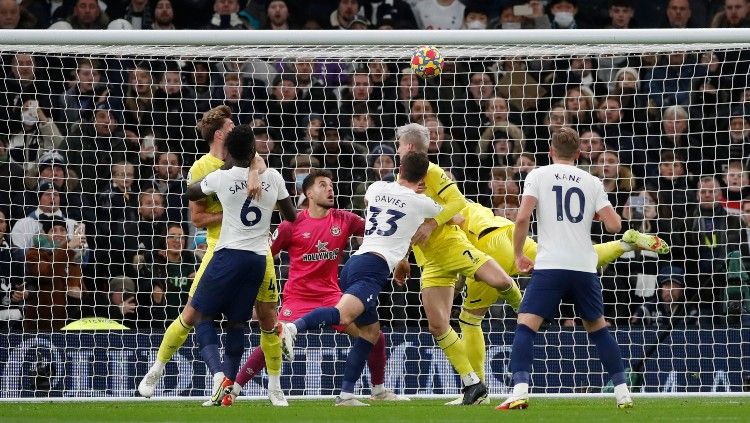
[[233, 348], [512, 295], [270, 346], [209, 343], [471, 333], [318, 318], [609, 354], [609, 252], [522, 354], [355, 363], [174, 337], [254, 364], [455, 350], [376, 361]]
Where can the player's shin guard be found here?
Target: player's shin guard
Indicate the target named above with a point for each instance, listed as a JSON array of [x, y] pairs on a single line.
[[355, 363], [522, 354], [376, 362], [254, 364], [233, 349], [609, 354], [455, 350], [209, 343], [174, 337], [608, 252], [318, 318], [473, 336], [270, 345]]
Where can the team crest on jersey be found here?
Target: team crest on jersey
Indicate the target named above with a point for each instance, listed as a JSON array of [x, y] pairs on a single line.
[[335, 231], [306, 235], [286, 313]]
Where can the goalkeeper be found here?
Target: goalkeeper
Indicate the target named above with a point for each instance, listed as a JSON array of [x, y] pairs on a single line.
[[214, 126], [494, 236]]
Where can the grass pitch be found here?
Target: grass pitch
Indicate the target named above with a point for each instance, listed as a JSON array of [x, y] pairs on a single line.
[[689, 409]]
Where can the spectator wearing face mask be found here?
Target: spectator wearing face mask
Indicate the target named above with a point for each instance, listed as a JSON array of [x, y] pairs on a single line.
[[475, 16], [563, 14]]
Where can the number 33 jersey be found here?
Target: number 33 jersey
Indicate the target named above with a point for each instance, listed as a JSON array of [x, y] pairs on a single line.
[[245, 222], [394, 213], [567, 198]]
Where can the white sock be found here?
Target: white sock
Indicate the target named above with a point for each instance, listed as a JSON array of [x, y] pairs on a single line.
[[521, 390], [625, 246], [274, 382], [470, 379], [158, 366], [621, 391], [346, 395], [376, 389], [292, 329]]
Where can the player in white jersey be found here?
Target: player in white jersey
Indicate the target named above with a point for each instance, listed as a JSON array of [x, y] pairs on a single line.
[[566, 200], [394, 212], [236, 271]]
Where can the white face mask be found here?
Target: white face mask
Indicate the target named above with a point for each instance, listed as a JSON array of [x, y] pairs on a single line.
[[564, 19], [476, 24], [511, 25]]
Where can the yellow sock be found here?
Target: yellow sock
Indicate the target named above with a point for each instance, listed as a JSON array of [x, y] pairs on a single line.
[[608, 252], [471, 333], [270, 343], [174, 337], [455, 349], [512, 296]]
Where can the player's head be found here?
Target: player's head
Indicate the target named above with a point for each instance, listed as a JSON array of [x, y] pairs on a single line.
[[318, 188], [240, 145], [414, 166], [412, 137], [566, 144], [215, 124]]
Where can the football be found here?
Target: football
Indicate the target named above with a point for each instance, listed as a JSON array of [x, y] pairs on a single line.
[[427, 62]]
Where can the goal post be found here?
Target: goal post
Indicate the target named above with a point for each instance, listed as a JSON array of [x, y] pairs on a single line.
[[98, 129]]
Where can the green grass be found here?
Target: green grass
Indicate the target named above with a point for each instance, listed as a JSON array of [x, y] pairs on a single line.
[[693, 409]]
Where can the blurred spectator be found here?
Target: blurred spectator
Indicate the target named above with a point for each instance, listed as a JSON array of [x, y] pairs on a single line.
[[592, 145], [502, 184], [26, 229], [579, 71], [538, 143], [496, 113], [38, 135], [226, 16], [53, 266], [734, 15], [617, 179], [365, 129], [233, 94], [676, 136], [94, 145], [618, 135], [145, 234], [139, 96], [139, 14], [476, 16], [466, 117], [507, 207], [634, 102], [285, 113], [679, 15], [312, 89], [360, 90], [420, 110], [116, 205], [745, 234], [86, 91], [734, 144], [11, 182], [24, 82], [13, 292], [344, 14], [168, 181], [522, 15], [198, 77], [620, 14], [396, 14], [174, 108], [163, 15], [381, 166], [139, 304], [343, 158], [520, 86], [277, 15], [563, 13], [87, 14], [312, 132], [298, 168], [41, 10], [171, 269], [737, 182], [579, 105], [672, 185], [359, 22], [668, 306], [439, 14], [268, 148], [442, 150], [670, 81], [14, 16]]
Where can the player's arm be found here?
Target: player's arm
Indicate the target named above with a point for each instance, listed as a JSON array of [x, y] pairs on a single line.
[[194, 191], [281, 238], [610, 219], [198, 191], [453, 201], [523, 222], [257, 167], [200, 216], [287, 209]]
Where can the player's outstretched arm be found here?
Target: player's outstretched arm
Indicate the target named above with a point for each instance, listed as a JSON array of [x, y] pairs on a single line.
[[194, 192], [611, 220], [523, 221], [257, 167], [287, 209]]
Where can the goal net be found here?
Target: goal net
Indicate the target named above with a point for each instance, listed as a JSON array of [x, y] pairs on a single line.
[[99, 132]]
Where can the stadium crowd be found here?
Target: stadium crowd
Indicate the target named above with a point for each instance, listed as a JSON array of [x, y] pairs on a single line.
[[94, 151]]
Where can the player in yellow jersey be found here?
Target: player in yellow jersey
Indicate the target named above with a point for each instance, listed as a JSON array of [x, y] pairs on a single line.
[[214, 127], [494, 236], [443, 251]]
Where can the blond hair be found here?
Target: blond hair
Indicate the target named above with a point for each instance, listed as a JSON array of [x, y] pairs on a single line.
[[212, 121]]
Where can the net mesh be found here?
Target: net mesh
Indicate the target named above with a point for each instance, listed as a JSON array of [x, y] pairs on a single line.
[[103, 136]]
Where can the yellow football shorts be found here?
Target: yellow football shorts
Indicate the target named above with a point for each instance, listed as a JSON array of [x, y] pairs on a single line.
[[452, 255]]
